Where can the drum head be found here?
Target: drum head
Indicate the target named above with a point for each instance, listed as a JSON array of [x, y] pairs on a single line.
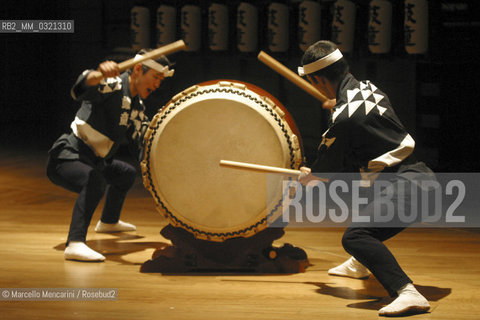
[[185, 143]]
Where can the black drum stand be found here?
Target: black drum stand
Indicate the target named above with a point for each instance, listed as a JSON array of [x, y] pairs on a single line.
[[255, 254]]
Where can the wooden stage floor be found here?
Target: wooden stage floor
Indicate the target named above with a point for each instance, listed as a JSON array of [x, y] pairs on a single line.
[[34, 220]]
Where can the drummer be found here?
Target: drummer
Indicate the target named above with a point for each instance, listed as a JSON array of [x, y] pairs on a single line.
[[365, 136], [82, 161]]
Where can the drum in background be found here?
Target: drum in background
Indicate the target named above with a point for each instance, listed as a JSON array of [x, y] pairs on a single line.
[[196, 129]]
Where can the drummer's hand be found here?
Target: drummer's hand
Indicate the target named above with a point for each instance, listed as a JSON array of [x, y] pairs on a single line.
[[305, 175], [329, 104], [109, 69]]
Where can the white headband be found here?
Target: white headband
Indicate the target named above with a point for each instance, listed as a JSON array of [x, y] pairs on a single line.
[[152, 64], [320, 63]]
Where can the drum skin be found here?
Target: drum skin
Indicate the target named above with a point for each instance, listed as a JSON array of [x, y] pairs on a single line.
[[213, 121]]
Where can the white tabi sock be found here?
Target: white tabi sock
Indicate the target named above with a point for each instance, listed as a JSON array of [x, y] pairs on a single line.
[[409, 301], [350, 268], [77, 250], [120, 226]]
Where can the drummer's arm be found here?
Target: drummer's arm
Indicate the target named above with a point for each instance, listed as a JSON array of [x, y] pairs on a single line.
[[84, 87]]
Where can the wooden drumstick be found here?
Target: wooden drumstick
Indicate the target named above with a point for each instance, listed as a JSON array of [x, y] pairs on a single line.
[[127, 64], [258, 167], [290, 75]]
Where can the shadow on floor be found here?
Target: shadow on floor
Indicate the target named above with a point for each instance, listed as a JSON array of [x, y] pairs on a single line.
[[373, 292]]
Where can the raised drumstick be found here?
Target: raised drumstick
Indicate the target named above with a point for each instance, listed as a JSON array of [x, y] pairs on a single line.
[[258, 167], [127, 64], [290, 75]]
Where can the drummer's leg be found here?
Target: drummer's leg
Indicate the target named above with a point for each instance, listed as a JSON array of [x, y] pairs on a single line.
[[120, 177], [88, 182], [366, 245]]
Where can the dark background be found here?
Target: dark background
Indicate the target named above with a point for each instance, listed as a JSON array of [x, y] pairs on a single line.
[[436, 94]]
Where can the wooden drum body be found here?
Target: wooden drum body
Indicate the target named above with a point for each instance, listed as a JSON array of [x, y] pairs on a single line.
[[189, 136]]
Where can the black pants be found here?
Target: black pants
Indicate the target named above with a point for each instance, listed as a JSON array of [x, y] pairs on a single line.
[[365, 241], [366, 245], [91, 182]]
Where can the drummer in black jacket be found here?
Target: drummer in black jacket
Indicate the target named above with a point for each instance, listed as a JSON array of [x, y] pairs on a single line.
[[366, 136], [111, 113]]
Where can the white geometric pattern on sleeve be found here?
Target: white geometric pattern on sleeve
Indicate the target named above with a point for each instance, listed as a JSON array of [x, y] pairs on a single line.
[[109, 85], [366, 96]]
